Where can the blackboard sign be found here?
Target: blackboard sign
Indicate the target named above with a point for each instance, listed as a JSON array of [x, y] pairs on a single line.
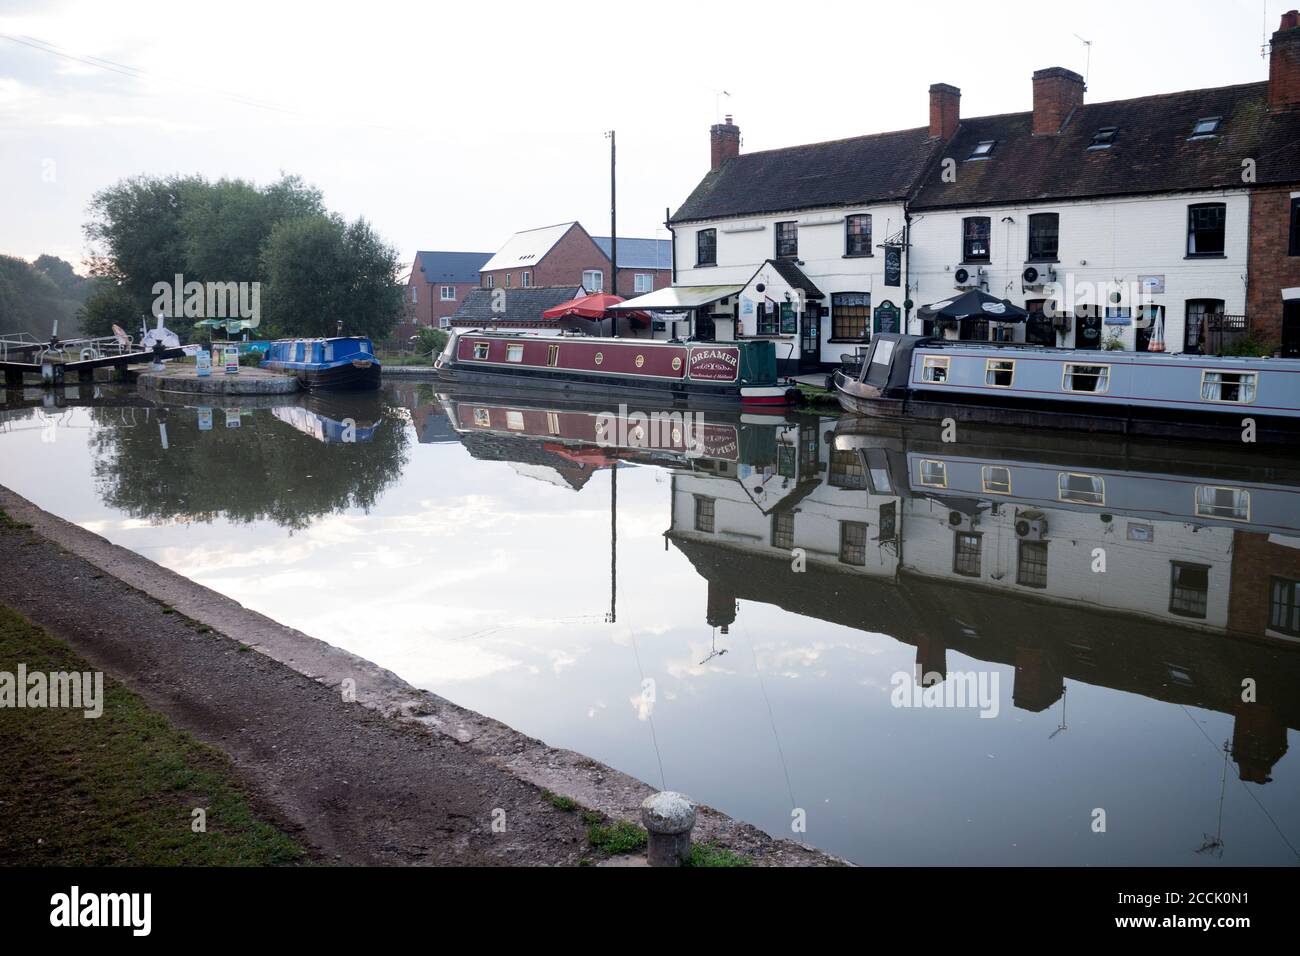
[[887, 316], [788, 323], [893, 265]]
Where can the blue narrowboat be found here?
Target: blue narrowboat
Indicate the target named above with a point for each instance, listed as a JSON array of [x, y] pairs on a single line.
[[339, 364], [1136, 393]]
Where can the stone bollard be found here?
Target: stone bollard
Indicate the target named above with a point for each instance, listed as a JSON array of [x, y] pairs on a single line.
[[668, 818]]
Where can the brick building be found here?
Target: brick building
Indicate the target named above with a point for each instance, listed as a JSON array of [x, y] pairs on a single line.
[[436, 285], [566, 254]]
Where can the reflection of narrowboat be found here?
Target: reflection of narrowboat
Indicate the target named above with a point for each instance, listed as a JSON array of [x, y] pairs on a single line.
[[727, 373], [1177, 396], [334, 420], [341, 364]]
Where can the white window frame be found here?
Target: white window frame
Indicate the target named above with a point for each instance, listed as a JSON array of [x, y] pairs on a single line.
[[447, 293], [599, 275], [643, 282], [527, 281]]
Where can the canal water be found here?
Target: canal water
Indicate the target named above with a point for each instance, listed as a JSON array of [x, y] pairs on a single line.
[[1007, 649]]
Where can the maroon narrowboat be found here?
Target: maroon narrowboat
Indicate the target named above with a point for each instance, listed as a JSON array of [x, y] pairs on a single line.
[[726, 373]]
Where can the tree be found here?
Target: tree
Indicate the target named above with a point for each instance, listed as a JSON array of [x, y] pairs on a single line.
[[321, 272], [109, 305], [30, 301], [429, 340], [136, 225], [228, 223]]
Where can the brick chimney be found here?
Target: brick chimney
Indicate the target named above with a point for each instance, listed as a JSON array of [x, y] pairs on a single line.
[[1284, 64], [724, 143], [945, 110], [1058, 92]]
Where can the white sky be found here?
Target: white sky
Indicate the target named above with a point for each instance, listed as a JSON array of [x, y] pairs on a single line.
[[452, 125]]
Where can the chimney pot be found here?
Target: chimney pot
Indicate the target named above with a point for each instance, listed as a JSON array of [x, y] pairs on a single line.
[[1284, 64], [1058, 92], [945, 110], [724, 143]]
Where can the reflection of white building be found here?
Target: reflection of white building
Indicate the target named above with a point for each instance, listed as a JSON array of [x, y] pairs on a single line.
[[1157, 545], [1002, 560]]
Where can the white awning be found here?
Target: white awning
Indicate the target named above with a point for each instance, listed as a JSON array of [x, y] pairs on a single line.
[[676, 298]]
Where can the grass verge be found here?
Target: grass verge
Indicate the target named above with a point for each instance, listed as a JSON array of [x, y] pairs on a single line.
[[119, 789]]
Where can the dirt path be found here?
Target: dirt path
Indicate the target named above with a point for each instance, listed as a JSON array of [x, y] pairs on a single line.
[[399, 776], [357, 786]]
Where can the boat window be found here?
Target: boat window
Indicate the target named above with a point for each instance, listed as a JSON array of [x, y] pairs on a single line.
[[1081, 489], [935, 368], [999, 372], [884, 352], [933, 474], [482, 418], [514, 353], [1086, 378], [1230, 503], [552, 355], [329, 351], [481, 350], [1236, 387], [553, 423], [515, 421], [995, 479]]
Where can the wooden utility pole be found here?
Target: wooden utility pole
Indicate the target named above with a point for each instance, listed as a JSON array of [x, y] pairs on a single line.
[[613, 229]]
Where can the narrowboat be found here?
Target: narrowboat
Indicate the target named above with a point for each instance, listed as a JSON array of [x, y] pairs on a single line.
[[1132, 393], [703, 373], [341, 364]]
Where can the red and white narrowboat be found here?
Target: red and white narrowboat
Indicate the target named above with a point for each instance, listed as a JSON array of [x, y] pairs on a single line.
[[715, 373]]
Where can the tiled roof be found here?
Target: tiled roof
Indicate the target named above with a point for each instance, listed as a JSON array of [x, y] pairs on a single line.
[[521, 305], [792, 274], [1151, 152], [845, 172], [639, 253], [527, 248], [449, 266]]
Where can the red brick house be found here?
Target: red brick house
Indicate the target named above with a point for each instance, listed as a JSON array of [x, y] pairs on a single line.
[[1273, 288], [437, 284], [565, 254]]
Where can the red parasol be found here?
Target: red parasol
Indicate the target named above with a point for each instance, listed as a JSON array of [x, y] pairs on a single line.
[[594, 306]]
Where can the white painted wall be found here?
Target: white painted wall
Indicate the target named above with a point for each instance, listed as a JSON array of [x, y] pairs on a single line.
[[1101, 242], [744, 244]]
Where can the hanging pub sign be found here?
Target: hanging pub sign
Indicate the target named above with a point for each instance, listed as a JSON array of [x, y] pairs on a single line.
[[886, 319], [893, 265]]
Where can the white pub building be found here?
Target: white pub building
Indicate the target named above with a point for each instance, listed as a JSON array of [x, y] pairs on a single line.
[[1121, 225]]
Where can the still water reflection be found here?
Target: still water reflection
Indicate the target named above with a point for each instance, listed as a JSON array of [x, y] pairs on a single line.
[[740, 622]]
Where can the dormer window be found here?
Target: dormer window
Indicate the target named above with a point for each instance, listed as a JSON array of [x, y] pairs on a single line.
[[983, 150], [1104, 137], [1206, 128]]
